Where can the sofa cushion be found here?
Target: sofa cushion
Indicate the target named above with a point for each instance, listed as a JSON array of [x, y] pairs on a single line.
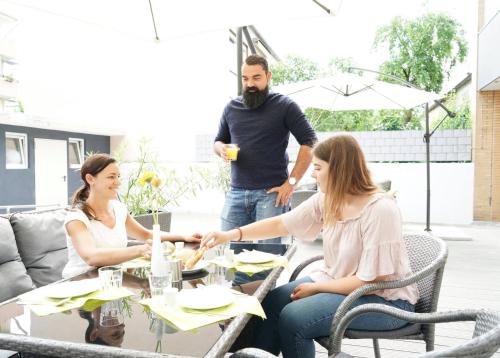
[[13, 277], [41, 241]]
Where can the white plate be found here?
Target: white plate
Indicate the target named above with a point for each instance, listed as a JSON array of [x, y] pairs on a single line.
[[200, 265], [205, 298], [72, 288], [254, 257]]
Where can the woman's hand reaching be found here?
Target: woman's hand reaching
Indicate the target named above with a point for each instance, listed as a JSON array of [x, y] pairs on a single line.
[[196, 238], [145, 249], [304, 290], [214, 238]]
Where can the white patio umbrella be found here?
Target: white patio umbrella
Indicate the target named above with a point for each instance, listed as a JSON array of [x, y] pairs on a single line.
[[348, 92]]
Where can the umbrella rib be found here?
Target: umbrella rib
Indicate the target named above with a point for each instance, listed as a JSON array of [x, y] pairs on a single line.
[[300, 90], [360, 90], [389, 99], [335, 90]]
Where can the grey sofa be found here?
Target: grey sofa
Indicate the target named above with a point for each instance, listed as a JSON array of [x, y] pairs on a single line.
[[33, 251]]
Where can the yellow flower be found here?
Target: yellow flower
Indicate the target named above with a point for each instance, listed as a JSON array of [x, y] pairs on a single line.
[[146, 178], [156, 182]]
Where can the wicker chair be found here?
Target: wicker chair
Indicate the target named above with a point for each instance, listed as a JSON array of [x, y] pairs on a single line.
[[485, 339], [301, 195], [427, 256]]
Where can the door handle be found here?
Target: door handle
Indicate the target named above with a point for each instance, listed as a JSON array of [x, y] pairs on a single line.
[[64, 178]]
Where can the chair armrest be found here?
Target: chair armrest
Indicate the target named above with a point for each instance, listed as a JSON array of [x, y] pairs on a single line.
[[434, 317], [303, 265], [437, 264]]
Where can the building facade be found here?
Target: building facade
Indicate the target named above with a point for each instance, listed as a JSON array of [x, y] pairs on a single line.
[[486, 141]]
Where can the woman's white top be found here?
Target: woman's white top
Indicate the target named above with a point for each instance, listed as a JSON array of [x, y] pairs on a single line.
[[102, 236]]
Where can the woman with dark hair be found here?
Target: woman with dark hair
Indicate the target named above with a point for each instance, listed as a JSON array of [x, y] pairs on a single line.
[[362, 242], [104, 335], [98, 224]]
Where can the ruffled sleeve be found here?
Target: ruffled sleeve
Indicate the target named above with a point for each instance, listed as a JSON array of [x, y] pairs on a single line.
[[306, 220], [382, 240]]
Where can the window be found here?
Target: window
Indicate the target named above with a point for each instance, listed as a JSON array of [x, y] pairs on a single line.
[[75, 153], [16, 150]]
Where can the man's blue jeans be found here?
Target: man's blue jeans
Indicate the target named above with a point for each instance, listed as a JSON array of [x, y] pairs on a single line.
[[244, 207], [291, 325]]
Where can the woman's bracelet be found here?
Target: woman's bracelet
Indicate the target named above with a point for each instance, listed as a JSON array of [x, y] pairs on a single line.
[[241, 234]]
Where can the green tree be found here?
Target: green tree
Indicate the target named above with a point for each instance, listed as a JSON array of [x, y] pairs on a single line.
[[340, 64], [294, 69], [461, 108], [423, 50]]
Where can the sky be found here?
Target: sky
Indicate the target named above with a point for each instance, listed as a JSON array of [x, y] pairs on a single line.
[[350, 33], [76, 53]]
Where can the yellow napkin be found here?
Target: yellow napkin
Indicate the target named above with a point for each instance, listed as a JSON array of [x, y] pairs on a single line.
[[251, 269], [136, 263], [186, 319], [43, 305]]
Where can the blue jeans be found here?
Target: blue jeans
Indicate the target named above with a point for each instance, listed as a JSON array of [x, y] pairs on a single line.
[[291, 326], [244, 207]]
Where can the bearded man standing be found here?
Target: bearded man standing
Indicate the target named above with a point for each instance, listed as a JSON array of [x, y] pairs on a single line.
[[260, 123]]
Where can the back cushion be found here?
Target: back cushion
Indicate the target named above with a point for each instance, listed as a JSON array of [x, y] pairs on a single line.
[[41, 241], [13, 277]]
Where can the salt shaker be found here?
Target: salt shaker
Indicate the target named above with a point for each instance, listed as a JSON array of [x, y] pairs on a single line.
[[176, 270]]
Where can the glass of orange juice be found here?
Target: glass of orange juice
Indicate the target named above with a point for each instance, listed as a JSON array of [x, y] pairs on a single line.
[[232, 151]]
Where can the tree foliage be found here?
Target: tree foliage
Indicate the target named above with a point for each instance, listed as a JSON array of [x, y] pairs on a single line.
[[362, 120], [294, 69], [423, 50], [461, 108]]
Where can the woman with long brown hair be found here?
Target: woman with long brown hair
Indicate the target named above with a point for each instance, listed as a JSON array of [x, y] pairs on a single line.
[[362, 242], [98, 224]]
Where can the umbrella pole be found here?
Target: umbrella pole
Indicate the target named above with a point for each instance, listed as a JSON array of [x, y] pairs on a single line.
[[427, 139], [427, 136]]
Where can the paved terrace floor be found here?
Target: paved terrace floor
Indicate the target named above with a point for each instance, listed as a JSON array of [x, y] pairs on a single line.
[[471, 280]]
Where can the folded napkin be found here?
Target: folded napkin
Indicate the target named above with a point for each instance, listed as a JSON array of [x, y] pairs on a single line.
[[248, 268], [43, 305], [186, 319]]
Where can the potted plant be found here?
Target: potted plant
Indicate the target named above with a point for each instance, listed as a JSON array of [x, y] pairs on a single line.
[[135, 192]]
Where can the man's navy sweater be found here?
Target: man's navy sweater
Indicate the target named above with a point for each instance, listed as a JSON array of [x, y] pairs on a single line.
[[262, 134]]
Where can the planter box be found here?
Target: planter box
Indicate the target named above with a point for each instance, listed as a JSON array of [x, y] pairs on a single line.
[[164, 219]]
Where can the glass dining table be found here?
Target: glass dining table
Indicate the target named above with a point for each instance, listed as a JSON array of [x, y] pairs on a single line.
[[140, 332]]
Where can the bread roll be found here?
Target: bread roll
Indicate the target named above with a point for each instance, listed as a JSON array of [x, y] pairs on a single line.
[[183, 255], [193, 260]]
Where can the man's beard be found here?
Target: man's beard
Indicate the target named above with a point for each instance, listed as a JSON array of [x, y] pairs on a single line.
[[253, 97]]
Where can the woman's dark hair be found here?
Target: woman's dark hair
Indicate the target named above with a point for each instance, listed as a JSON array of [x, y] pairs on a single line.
[[93, 165], [88, 316]]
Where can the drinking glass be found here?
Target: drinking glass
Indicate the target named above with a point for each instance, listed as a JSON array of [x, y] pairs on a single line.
[[110, 277]]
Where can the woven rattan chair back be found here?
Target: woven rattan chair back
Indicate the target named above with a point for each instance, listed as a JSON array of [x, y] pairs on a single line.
[[423, 250]]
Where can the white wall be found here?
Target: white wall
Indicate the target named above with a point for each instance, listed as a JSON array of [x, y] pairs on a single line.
[[451, 192]]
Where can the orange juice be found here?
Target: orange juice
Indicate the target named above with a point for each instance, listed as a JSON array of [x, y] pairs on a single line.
[[232, 152]]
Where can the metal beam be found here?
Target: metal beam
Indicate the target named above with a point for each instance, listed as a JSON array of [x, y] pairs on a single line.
[[249, 40], [264, 42], [239, 58]]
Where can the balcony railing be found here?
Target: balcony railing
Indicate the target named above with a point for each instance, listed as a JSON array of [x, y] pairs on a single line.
[[488, 57]]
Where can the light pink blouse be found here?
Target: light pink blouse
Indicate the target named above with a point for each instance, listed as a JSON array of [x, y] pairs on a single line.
[[368, 245]]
